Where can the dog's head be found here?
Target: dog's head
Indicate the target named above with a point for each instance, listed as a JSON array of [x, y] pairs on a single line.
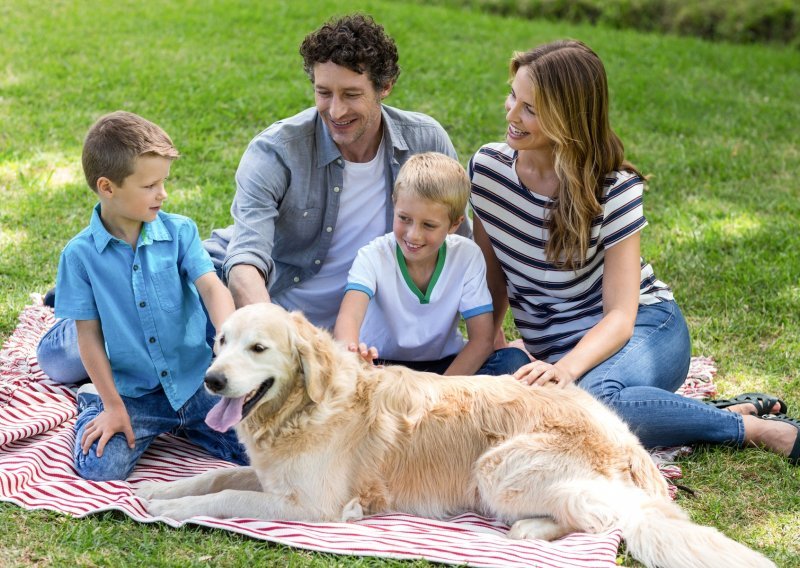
[[263, 351]]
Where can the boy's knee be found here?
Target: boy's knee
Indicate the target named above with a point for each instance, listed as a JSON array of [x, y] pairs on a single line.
[[505, 361], [116, 463], [92, 468], [515, 358], [58, 354]]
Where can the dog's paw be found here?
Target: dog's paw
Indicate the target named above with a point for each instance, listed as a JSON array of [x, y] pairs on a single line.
[[148, 490], [174, 509], [540, 528], [352, 511]]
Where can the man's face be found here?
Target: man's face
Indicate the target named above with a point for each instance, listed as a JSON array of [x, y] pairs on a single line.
[[351, 108]]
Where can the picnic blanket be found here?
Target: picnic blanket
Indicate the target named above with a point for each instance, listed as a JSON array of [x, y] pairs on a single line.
[[36, 440]]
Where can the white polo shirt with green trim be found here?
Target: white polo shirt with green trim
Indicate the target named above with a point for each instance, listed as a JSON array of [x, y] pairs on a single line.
[[402, 322]]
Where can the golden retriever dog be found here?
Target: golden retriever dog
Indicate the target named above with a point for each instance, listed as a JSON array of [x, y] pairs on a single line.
[[331, 438]]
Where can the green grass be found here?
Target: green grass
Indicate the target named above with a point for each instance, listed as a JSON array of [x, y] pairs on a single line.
[[717, 125]]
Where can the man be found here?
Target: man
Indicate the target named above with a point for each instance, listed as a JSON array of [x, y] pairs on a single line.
[[314, 188]]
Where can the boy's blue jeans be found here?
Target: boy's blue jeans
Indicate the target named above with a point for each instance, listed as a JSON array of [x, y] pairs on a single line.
[[58, 353], [150, 416], [502, 362], [640, 380]]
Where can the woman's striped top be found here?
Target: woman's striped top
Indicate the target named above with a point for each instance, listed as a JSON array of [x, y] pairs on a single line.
[[552, 307]]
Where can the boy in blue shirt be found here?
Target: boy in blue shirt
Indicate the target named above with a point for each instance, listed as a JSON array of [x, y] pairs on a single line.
[[131, 285]]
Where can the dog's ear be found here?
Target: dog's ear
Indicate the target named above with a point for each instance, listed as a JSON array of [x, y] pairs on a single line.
[[315, 355]]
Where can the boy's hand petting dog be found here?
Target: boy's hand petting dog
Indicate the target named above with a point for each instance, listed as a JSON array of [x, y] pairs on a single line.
[[540, 373], [107, 423], [368, 354]]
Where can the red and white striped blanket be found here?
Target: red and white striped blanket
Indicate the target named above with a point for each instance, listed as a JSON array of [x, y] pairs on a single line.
[[36, 440]]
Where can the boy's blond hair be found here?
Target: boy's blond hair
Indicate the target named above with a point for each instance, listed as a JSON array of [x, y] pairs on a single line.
[[115, 141], [435, 177]]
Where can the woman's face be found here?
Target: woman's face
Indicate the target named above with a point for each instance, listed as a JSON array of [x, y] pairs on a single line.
[[524, 131]]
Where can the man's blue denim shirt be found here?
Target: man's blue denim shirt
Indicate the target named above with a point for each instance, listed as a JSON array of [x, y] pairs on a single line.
[[149, 310], [288, 189]]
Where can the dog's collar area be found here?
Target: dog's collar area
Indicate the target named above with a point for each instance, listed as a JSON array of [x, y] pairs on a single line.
[[262, 390]]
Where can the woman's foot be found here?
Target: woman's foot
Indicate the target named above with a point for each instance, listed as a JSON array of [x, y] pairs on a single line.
[[775, 434], [754, 403], [749, 409]]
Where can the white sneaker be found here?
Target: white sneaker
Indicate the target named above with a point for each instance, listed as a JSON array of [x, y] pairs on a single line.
[[88, 388]]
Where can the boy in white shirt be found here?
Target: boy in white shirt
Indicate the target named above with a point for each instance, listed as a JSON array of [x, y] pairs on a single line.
[[408, 289]]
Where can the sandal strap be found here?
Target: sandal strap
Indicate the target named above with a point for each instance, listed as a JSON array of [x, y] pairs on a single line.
[[762, 402]]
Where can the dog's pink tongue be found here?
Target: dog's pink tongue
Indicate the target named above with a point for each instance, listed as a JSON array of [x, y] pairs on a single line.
[[225, 414]]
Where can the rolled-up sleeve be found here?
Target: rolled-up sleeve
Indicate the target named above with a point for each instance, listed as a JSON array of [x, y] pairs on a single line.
[[261, 182]]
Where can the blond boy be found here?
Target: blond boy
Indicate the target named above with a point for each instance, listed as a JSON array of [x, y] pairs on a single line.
[[408, 290]]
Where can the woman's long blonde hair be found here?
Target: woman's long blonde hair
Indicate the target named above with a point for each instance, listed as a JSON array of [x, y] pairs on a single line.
[[570, 97]]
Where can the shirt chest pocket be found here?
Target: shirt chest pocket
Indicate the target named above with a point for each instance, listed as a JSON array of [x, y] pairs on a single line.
[[169, 288], [296, 228]]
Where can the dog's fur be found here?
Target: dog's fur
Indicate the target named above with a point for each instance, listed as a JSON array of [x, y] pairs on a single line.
[[333, 439]]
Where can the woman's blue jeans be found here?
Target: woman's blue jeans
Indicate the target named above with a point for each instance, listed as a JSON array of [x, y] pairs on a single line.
[[150, 416], [639, 383]]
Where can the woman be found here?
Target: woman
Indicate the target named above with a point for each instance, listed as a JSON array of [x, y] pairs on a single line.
[[558, 211]]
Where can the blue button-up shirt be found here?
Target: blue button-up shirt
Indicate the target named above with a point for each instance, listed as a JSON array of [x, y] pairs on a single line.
[[149, 310], [288, 191]]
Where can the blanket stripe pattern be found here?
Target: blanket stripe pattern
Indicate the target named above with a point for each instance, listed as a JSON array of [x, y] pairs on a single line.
[[36, 441]]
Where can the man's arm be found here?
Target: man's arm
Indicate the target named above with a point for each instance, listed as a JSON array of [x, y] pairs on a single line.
[[262, 180], [246, 285]]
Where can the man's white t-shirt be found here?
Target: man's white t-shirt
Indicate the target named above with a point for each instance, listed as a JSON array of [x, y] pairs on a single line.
[[403, 323], [361, 218]]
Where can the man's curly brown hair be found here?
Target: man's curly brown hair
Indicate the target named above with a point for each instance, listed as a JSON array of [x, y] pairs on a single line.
[[355, 42]]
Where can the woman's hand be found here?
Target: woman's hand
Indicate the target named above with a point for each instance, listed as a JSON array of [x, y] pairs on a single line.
[[541, 374], [104, 426], [368, 354]]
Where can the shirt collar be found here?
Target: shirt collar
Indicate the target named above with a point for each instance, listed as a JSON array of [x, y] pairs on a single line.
[[154, 231], [329, 152]]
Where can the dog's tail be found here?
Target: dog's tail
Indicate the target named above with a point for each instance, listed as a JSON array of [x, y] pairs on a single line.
[[645, 474], [657, 532]]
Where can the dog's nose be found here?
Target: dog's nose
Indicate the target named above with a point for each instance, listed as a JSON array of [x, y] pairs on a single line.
[[215, 381]]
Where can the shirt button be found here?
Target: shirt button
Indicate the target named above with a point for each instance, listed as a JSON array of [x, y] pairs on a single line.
[[336, 189], [329, 229], [136, 267], [305, 213], [318, 261], [142, 304], [164, 373], [296, 279], [339, 161], [152, 340]]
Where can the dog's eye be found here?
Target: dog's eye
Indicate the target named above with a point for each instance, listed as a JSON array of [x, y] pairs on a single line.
[[257, 348], [222, 340]]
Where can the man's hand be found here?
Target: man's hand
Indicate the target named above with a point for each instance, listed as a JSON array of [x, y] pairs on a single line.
[[104, 426]]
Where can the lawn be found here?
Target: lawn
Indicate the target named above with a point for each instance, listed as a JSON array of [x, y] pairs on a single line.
[[717, 126]]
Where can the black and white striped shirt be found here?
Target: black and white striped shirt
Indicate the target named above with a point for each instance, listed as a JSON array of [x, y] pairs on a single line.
[[553, 307]]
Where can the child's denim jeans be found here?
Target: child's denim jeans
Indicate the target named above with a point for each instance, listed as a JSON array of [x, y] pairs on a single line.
[[150, 416]]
